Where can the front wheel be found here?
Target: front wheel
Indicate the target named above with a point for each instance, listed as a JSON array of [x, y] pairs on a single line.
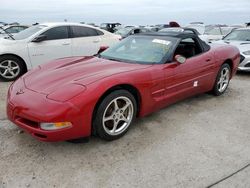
[[115, 115], [11, 68], [222, 80]]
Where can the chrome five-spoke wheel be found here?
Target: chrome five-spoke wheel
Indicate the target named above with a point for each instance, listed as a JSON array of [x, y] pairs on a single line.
[[224, 79], [114, 115], [118, 115], [9, 69]]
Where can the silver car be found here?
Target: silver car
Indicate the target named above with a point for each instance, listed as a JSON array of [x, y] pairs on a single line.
[[241, 39]]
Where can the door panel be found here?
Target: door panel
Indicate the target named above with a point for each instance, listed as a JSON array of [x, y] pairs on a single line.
[[194, 76], [85, 46], [85, 41], [43, 52], [56, 45]]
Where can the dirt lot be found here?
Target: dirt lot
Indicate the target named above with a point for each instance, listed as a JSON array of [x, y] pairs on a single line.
[[193, 143]]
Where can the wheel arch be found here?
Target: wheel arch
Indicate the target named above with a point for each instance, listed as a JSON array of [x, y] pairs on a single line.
[[130, 88], [230, 63]]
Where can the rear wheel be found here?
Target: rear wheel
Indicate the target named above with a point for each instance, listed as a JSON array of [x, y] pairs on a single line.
[[222, 80], [115, 115], [11, 68]]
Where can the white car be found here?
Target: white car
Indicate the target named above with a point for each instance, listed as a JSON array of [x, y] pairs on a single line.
[[213, 33], [241, 39], [44, 42], [200, 27], [7, 30]]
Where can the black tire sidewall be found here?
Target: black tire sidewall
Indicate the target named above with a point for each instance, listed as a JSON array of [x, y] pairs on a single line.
[[216, 92], [18, 61], [97, 123]]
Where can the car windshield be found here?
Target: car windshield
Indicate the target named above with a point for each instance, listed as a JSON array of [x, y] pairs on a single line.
[[140, 49], [123, 31], [28, 32], [212, 31], [103, 25], [241, 35], [226, 30]]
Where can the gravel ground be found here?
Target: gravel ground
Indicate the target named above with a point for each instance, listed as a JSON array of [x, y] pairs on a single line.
[[193, 143]]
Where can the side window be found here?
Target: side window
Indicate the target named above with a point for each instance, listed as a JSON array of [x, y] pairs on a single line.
[[188, 47], [57, 33], [80, 31], [99, 32]]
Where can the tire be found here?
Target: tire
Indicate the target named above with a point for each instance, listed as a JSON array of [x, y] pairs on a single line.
[[11, 68], [114, 115], [222, 80]]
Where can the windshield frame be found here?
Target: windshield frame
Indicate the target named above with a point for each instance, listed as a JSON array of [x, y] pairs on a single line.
[[165, 59]]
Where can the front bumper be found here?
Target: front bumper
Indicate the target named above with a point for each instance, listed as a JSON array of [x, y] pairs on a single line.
[[244, 63], [27, 109]]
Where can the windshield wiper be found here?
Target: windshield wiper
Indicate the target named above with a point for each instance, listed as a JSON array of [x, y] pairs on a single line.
[[7, 33], [109, 58]]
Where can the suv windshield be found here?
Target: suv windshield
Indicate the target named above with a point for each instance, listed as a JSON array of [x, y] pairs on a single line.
[[140, 49], [123, 31], [242, 35], [28, 32]]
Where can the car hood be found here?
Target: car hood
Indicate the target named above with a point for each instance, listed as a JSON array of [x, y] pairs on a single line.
[[242, 45], [77, 70], [7, 42]]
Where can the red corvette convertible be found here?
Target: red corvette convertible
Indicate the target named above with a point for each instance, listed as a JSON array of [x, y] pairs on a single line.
[[101, 95]]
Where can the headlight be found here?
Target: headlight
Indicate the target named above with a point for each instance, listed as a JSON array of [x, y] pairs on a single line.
[[55, 126], [66, 92], [246, 52]]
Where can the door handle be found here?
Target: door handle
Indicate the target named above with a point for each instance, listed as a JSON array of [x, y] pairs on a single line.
[[208, 59], [96, 41], [66, 44]]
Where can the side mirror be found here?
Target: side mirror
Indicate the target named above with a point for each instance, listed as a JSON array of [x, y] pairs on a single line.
[[102, 48], [40, 38], [180, 59]]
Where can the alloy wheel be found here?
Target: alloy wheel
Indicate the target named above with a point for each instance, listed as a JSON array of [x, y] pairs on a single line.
[[223, 80], [118, 115], [9, 69]]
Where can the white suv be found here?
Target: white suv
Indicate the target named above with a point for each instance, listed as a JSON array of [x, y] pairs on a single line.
[[45, 42]]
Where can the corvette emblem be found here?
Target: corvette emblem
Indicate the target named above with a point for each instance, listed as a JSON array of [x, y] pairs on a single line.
[[20, 92]]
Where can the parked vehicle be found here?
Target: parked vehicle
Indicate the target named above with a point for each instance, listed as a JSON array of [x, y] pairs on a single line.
[[109, 26], [162, 25], [11, 29], [152, 28], [241, 39], [44, 42], [199, 26], [75, 97], [213, 33], [180, 29], [14, 23], [3, 24], [125, 32]]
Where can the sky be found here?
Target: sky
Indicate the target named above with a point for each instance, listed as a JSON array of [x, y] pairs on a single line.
[[133, 12]]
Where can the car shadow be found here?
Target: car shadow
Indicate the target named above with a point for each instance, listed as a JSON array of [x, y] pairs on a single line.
[[243, 74]]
